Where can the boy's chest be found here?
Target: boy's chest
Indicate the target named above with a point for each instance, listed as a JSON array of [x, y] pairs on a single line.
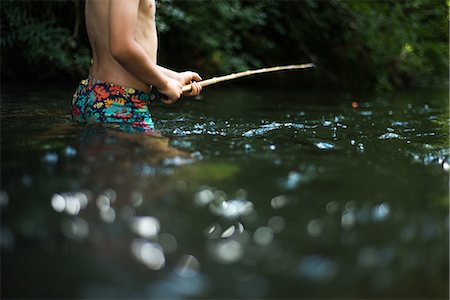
[[147, 8]]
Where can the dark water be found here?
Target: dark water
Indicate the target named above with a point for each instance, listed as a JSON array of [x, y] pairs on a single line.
[[249, 194]]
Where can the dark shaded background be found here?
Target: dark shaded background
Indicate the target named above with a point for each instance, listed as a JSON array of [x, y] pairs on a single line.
[[355, 44]]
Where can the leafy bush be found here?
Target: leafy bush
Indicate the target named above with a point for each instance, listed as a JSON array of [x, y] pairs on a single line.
[[37, 42], [355, 44]]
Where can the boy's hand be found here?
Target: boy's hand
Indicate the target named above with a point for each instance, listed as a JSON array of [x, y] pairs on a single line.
[[172, 90], [189, 77]]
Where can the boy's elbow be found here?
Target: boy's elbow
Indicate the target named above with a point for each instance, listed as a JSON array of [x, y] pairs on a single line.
[[120, 52]]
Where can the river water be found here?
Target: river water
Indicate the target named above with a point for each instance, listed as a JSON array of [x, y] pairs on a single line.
[[247, 194]]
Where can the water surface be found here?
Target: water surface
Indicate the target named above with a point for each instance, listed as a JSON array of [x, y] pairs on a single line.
[[248, 194]]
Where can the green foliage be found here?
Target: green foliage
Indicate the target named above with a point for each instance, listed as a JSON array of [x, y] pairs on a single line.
[[217, 35], [401, 41], [37, 43], [355, 44]]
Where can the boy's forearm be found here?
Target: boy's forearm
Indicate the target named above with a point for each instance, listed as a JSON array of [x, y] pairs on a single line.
[[169, 73]]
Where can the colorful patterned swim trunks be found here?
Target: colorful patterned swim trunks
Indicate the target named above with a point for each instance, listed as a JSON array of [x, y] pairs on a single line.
[[98, 102]]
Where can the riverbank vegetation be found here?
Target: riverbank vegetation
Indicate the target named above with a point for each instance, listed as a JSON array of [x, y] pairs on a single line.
[[355, 44]]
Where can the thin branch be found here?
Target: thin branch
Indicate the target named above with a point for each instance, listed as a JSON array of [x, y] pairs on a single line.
[[215, 80]]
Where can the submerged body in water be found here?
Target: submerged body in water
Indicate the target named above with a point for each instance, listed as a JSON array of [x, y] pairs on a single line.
[[97, 102]]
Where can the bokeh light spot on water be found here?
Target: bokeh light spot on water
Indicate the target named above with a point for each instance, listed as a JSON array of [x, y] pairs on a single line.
[[71, 203], [145, 170], [73, 206], [227, 251], [332, 207], [204, 196], [365, 113], [240, 227], [136, 198], [111, 194], [350, 205], [315, 228], [58, 203], [277, 224], [50, 158], [187, 266], [228, 232], [220, 196], [292, 181], [147, 227], [279, 201], [103, 202], [381, 212], [213, 231], [324, 145], [389, 135], [149, 253], [70, 151], [232, 208], [108, 215], [75, 228], [177, 161], [263, 236], [360, 148], [348, 219]]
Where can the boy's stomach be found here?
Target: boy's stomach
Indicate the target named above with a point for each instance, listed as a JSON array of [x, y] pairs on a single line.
[[112, 72]]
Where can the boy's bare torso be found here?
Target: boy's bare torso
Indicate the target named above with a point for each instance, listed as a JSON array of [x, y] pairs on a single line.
[[104, 66]]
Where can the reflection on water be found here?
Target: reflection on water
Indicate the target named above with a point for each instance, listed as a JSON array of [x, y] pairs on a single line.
[[244, 196]]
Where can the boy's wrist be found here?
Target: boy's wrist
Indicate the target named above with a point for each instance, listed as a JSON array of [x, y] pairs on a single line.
[[163, 84], [179, 77]]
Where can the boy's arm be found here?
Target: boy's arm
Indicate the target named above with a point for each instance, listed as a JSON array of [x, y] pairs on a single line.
[[124, 48], [185, 78], [170, 73]]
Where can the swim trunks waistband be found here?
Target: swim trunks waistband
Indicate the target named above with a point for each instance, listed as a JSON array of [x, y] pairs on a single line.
[[92, 80]]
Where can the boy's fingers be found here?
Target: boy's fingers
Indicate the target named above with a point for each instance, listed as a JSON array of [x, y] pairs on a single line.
[[196, 77], [196, 89], [199, 88]]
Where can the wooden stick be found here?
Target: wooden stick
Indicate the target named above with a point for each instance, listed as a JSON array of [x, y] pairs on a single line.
[[215, 80]]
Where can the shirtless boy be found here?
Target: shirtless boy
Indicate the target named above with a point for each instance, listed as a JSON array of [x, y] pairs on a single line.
[[124, 42]]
